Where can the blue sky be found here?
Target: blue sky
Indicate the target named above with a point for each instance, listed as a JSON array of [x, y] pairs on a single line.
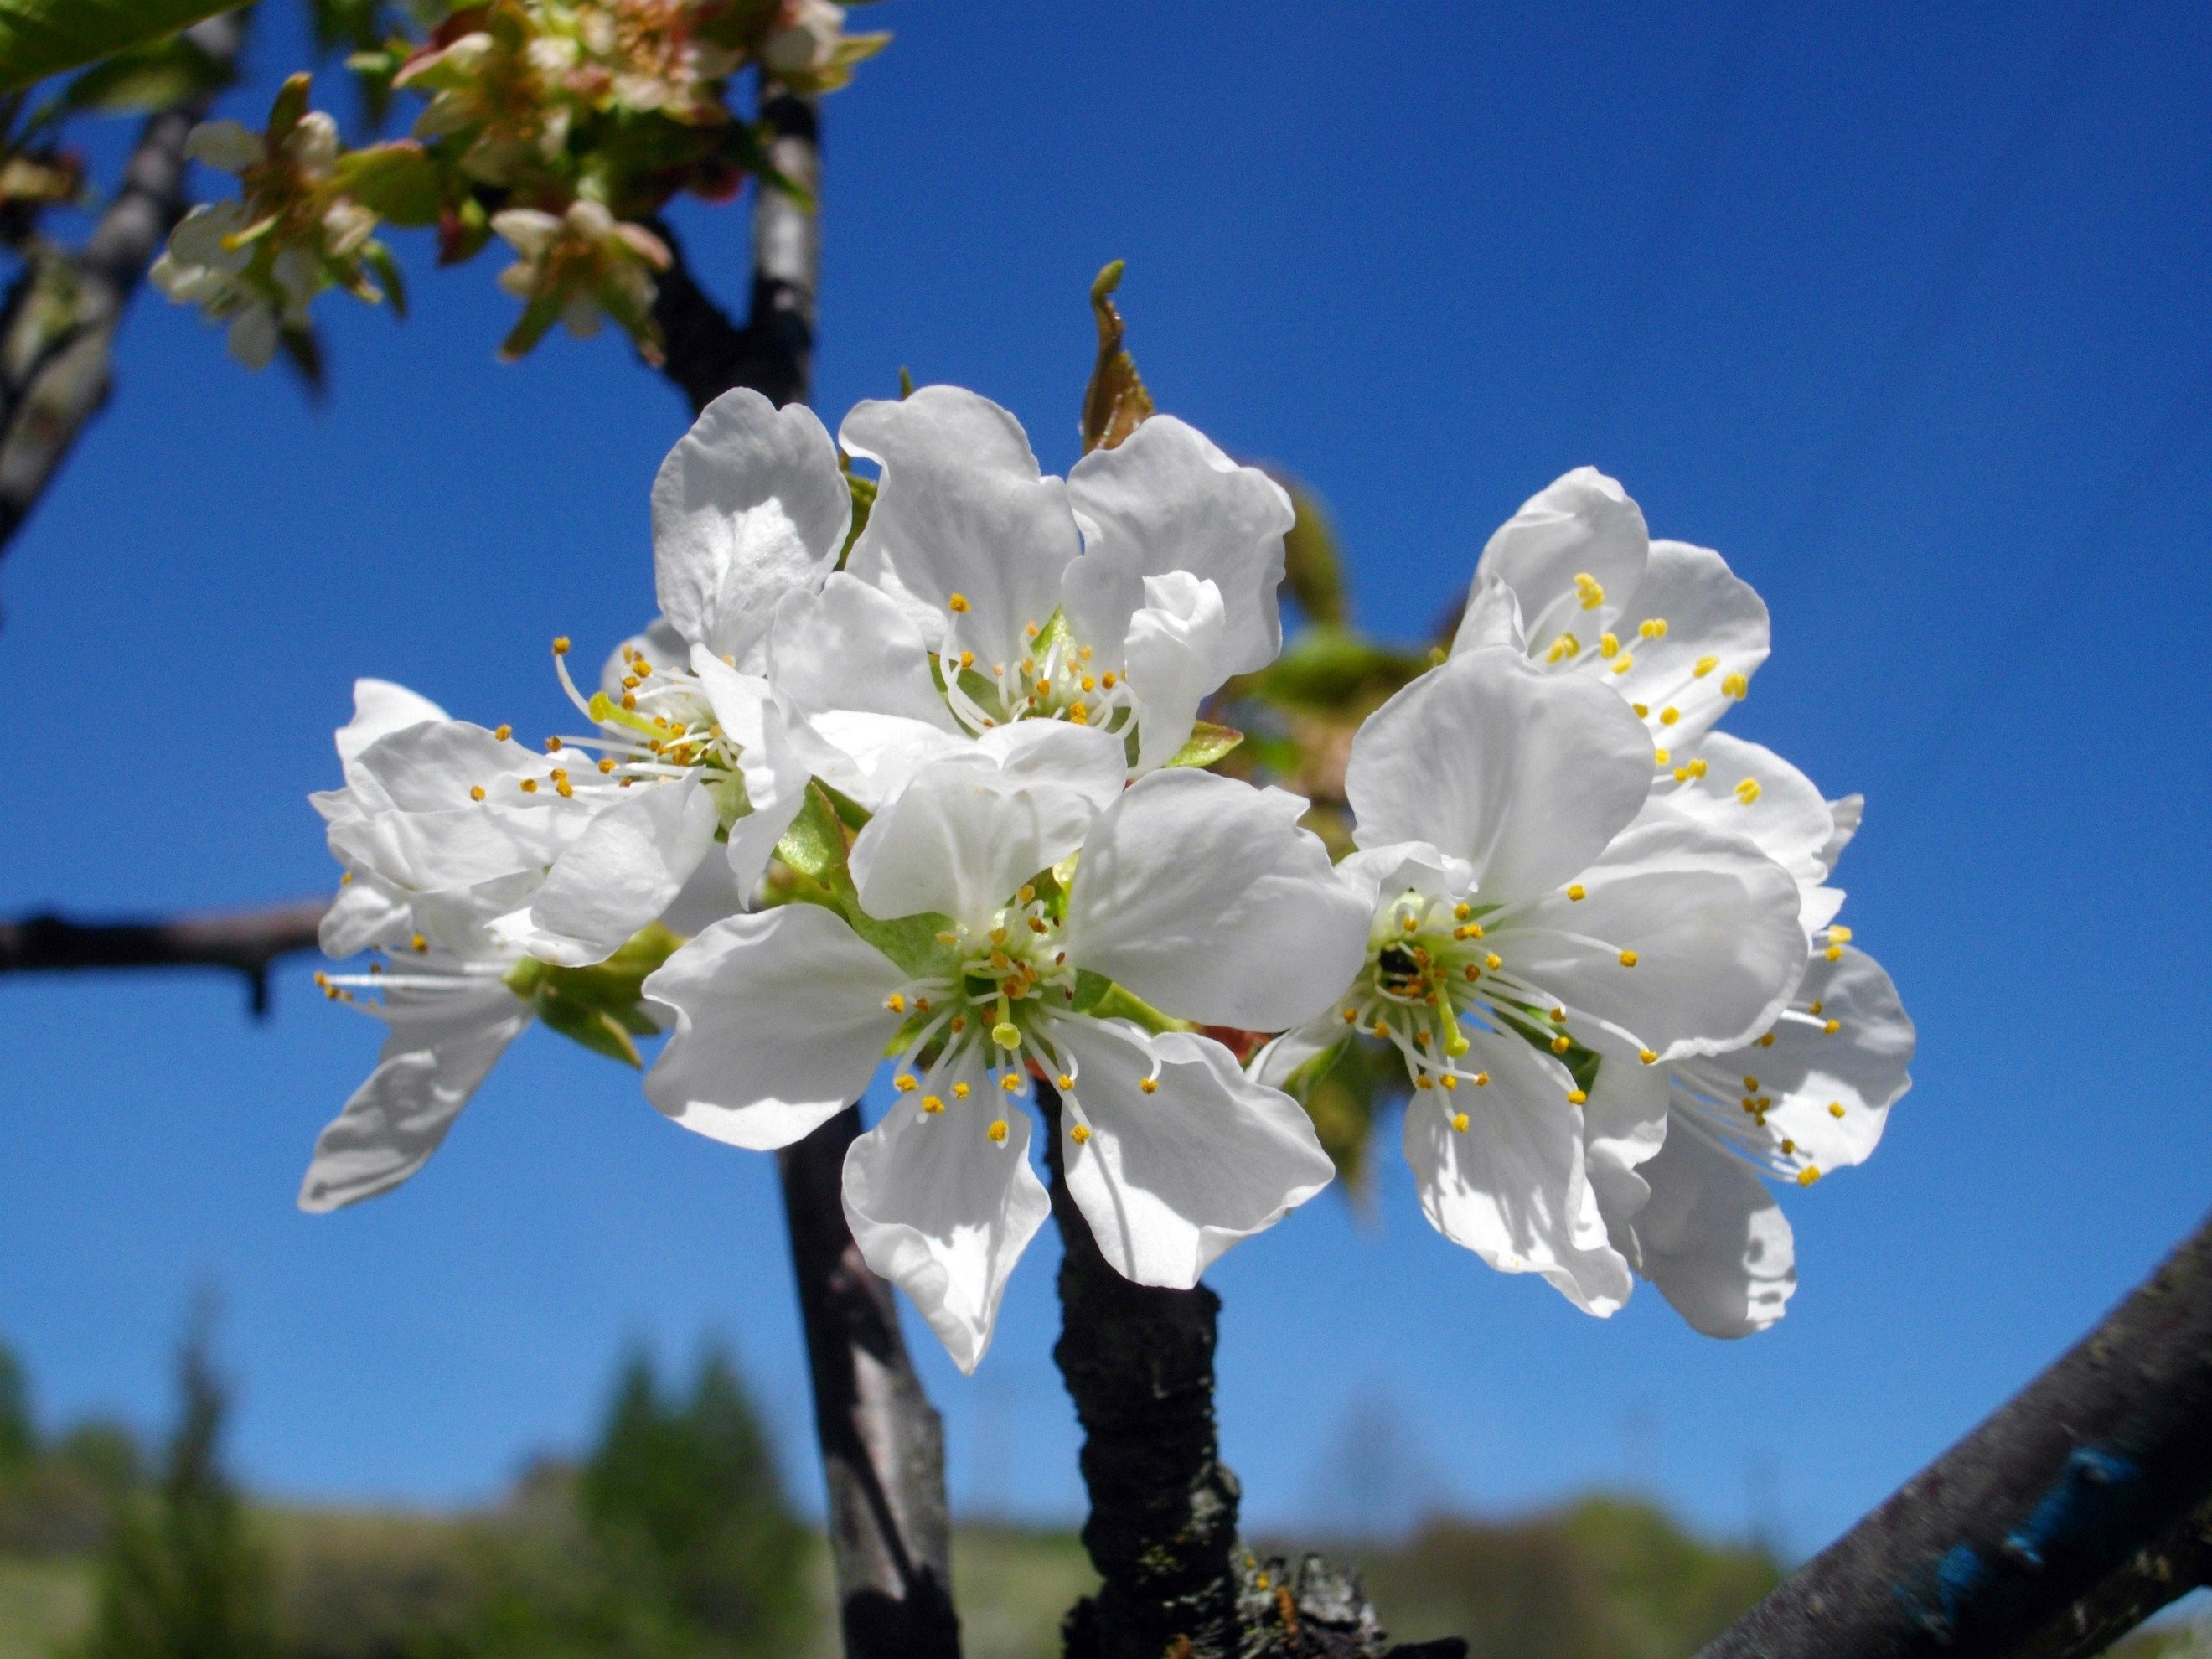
[[1903, 309]]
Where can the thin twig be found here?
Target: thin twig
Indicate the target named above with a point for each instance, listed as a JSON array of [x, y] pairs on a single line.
[[247, 942]]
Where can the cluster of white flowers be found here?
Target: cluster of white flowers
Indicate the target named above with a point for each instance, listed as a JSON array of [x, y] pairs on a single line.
[[934, 798]]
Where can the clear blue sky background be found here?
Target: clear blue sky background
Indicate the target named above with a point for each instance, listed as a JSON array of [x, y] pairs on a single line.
[[1902, 307]]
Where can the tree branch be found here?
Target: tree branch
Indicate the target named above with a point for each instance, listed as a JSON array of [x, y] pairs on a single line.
[[705, 353], [243, 942], [62, 313], [883, 1444], [2045, 1526]]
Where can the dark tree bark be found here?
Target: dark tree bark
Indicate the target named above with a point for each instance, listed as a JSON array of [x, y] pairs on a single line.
[[883, 1444], [247, 942], [57, 324], [2043, 1531], [1139, 1363]]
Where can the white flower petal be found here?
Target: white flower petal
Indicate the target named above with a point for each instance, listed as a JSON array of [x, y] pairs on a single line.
[[1714, 1240], [1525, 774], [1172, 653], [1170, 1180], [225, 145], [433, 1062], [854, 646], [1203, 895], [1581, 524], [748, 505], [1748, 790], [1715, 622], [367, 911], [1165, 499], [1492, 617], [779, 1023], [945, 1211], [1713, 924], [620, 875], [1846, 814], [736, 699], [961, 510], [1808, 1070], [1511, 1185], [380, 709], [970, 828]]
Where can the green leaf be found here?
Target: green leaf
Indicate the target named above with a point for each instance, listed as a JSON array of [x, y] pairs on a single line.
[[1207, 744], [158, 75], [1312, 567], [1333, 668], [397, 181], [594, 1027], [39, 38]]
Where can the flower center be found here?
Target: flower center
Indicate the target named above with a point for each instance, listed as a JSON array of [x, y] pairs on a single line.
[[1053, 678]]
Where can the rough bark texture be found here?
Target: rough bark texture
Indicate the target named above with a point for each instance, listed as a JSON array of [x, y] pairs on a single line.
[[883, 1445], [245, 942], [57, 324], [1139, 1363], [706, 353], [2155, 1576], [2030, 1526]]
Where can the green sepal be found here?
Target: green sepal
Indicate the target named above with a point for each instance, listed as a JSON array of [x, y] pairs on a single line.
[[1118, 1002], [912, 942], [815, 845], [398, 181], [864, 492], [378, 257], [600, 1007], [290, 104], [1309, 1071], [1206, 743], [1055, 631]]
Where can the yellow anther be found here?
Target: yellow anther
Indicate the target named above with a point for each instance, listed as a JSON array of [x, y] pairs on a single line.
[[1681, 774], [1706, 666], [932, 1104], [1461, 912], [1834, 953], [1649, 1056], [476, 792], [607, 764], [558, 774], [1747, 790], [1561, 1043], [530, 786], [1696, 768], [1837, 933], [906, 1083], [1788, 1145], [1459, 1120], [1835, 1109], [896, 1003], [1001, 961], [1813, 1006], [643, 669], [1036, 925], [1493, 961], [1410, 924], [1012, 1083], [1108, 679], [629, 682], [502, 732], [960, 1091], [997, 1132], [418, 944], [1472, 972], [1608, 645], [629, 701], [1831, 1026], [921, 1005], [1565, 646], [1807, 1175], [1577, 892], [1642, 709], [561, 646], [1481, 1079], [1079, 1133], [1591, 591], [1576, 1097], [565, 789], [1752, 1084], [1352, 1017], [1469, 930], [1449, 1081], [1737, 686], [1558, 1015], [1750, 1104], [1661, 756], [1065, 1081], [959, 1023], [1031, 630], [957, 604], [1653, 627], [1422, 1080], [1766, 1041], [1627, 662], [1150, 1085], [967, 660], [1078, 714], [1669, 716], [1628, 958]]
